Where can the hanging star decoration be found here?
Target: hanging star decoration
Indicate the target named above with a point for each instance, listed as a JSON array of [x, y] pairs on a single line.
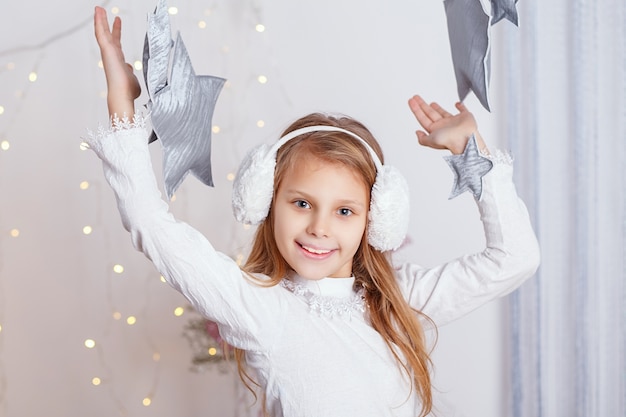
[[468, 168], [181, 105], [504, 9], [469, 30]]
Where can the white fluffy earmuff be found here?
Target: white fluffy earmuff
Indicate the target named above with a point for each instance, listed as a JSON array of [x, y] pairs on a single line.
[[388, 216]]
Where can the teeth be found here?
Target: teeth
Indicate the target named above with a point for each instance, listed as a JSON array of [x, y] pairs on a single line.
[[316, 251]]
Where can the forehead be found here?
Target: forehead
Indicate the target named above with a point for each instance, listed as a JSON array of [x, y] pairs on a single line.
[[317, 175]]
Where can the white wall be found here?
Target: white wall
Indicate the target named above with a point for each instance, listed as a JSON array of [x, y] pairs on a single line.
[[364, 58]]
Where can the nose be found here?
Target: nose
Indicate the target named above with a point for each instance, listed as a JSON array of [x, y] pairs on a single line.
[[319, 225]]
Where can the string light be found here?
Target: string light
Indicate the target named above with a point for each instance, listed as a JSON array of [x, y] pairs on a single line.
[[32, 77], [178, 311], [117, 315], [115, 10], [14, 232], [260, 123], [5, 145], [156, 356], [138, 65], [212, 351], [84, 146], [84, 185], [147, 401], [96, 381], [131, 320], [260, 28], [90, 343], [262, 79], [173, 10], [118, 269], [162, 279], [87, 230], [230, 176], [1, 109], [202, 24], [215, 129]]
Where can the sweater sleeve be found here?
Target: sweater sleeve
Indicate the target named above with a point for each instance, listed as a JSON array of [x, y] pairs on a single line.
[[451, 290], [246, 313]]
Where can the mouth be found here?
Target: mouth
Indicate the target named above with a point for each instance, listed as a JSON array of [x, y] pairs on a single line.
[[315, 252]]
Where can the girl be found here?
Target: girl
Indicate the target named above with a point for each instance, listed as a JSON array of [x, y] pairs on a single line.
[[323, 320]]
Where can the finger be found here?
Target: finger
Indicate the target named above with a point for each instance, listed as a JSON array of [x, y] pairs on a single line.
[[422, 137], [443, 112], [416, 108], [101, 24], [116, 32], [461, 107], [427, 109]]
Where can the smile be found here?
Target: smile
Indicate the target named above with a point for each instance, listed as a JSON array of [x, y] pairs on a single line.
[[315, 251]]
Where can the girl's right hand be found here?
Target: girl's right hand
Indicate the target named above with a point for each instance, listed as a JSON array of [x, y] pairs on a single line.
[[122, 84]]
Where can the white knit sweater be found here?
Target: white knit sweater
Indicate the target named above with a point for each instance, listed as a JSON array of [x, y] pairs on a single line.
[[310, 342]]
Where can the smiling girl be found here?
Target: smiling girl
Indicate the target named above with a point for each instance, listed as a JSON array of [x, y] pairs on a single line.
[[326, 324]]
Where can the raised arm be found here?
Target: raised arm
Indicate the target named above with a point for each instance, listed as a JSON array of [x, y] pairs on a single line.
[[511, 255]]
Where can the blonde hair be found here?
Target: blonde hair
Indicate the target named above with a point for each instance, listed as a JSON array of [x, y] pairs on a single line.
[[389, 312]]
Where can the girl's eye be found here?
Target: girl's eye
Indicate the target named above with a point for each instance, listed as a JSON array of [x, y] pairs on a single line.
[[301, 204], [345, 212]]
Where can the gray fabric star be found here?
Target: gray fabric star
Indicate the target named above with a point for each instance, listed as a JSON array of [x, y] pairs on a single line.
[[504, 9], [181, 108], [468, 168], [468, 29]]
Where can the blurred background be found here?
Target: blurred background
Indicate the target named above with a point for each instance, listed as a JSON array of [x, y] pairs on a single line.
[[87, 327]]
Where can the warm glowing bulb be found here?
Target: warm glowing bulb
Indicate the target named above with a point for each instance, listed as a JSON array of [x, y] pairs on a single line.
[[1, 109], [100, 64], [90, 343], [84, 185], [260, 123], [212, 351], [202, 24], [162, 278], [262, 79], [147, 401], [138, 65], [228, 84], [115, 10], [5, 145], [0, 327], [96, 381], [84, 146], [178, 311], [117, 315], [246, 227], [215, 129], [239, 259], [173, 198], [260, 28], [173, 10], [117, 268], [156, 356], [230, 176], [131, 320], [87, 230], [32, 77], [15, 232]]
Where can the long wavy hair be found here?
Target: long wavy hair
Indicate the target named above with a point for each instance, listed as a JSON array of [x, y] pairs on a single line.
[[389, 313]]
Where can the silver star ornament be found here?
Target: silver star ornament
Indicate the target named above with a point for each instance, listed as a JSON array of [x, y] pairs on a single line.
[[468, 168], [181, 105], [468, 29], [504, 9]]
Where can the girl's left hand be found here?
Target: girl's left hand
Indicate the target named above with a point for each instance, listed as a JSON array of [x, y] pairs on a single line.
[[443, 130]]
